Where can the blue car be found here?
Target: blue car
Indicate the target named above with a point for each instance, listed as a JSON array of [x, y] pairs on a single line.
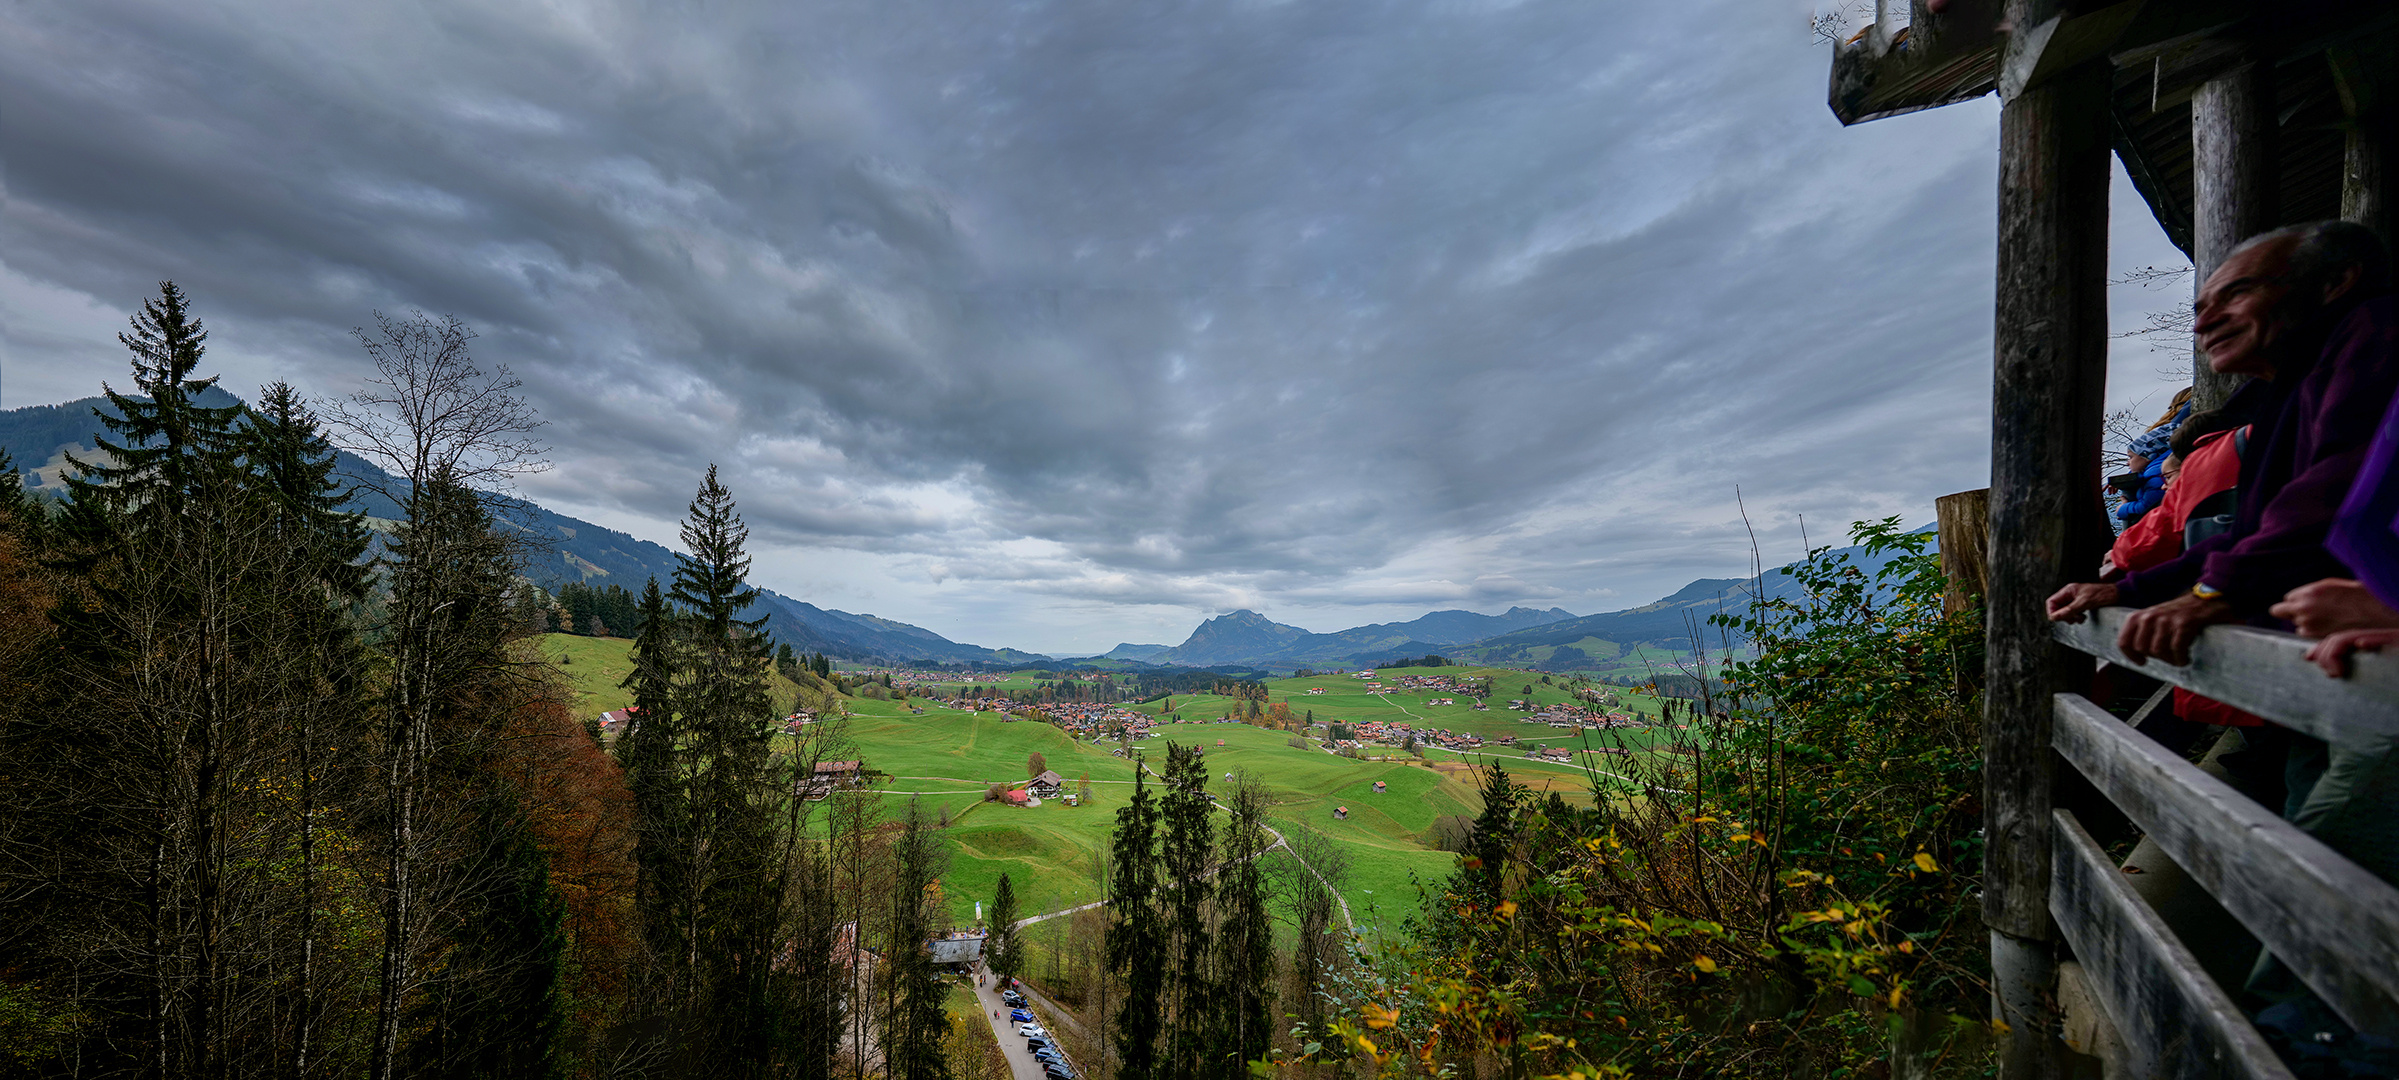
[[1020, 1016]]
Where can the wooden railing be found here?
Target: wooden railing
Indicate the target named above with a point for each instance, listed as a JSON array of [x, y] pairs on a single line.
[[2335, 925]]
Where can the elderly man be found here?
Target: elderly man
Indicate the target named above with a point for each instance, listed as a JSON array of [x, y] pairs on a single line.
[[2306, 313]]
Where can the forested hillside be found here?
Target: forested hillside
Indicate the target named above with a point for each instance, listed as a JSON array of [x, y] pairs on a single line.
[[288, 798], [563, 549]]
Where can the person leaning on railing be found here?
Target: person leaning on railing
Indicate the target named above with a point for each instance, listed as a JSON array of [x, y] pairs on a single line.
[[2305, 311]]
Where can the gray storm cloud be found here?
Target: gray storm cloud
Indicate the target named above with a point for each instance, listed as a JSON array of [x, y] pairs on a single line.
[[1140, 306]]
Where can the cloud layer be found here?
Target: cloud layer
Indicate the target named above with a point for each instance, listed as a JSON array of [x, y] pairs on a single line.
[[1054, 324]]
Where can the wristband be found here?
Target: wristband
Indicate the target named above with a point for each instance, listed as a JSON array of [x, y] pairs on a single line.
[[2205, 591]]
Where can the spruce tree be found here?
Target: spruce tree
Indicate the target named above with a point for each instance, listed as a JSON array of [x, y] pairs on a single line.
[[1242, 1025], [915, 1027], [294, 467], [1136, 937], [1000, 947], [166, 443], [654, 771], [1186, 852], [1494, 831]]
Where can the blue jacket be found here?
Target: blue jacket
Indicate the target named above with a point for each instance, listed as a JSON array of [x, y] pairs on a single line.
[[2153, 491]]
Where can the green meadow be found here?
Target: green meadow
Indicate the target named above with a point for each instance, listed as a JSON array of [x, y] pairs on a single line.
[[945, 759]]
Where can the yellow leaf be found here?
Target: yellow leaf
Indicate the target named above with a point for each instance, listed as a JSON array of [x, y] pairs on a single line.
[[1925, 863], [1894, 997], [1378, 1016], [1704, 964], [1506, 909]]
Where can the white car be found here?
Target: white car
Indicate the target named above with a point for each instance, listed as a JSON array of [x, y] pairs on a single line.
[[1031, 1029]]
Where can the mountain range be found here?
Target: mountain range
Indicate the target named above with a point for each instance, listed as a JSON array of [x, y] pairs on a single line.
[[1246, 637], [565, 549]]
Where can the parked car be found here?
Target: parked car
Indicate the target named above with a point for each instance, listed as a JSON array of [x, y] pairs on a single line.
[[1012, 997], [1051, 1057], [1021, 1016], [1058, 1072], [1036, 1043], [1030, 1029]]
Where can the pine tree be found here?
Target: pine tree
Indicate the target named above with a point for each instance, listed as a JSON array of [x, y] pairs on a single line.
[[1186, 852], [292, 466], [1242, 1028], [1000, 948], [914, 1024], [1136, 937], [1495, 830], [654, 771], [166, 444]]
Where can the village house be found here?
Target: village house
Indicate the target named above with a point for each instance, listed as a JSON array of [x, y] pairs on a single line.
[[831, 776], [1046, 785]]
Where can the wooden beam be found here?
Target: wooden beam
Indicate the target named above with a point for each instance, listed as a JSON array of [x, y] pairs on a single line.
[[2267, 673], [2062, 43], [1945, 58], [2335, 924], [2174, 1021], [2232, 185]]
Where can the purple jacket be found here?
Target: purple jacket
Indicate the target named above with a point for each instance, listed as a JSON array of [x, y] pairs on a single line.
[[2314, 420], [2367, 534]]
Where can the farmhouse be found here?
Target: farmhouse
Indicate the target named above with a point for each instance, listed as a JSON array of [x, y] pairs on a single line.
[[956, 947], [831, 776], [1046, 785]]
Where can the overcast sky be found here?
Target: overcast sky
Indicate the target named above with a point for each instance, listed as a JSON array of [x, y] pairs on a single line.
[[1058, 324]]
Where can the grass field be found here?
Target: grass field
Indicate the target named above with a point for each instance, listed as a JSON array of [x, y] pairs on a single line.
[[946, 759], [593, 667]]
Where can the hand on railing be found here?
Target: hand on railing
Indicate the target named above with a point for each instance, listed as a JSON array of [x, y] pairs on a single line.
[[2167, 630], [2332, 654], [2069, 603], [2327, 607]]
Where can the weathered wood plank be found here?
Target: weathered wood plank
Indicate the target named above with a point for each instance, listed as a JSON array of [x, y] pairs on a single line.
[[2174, 1021], [1948, 57], [2336, 925], [1965, 520], [2268, 674], [2232, 181]]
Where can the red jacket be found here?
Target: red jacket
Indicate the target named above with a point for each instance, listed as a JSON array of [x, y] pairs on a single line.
[[2214, 466]]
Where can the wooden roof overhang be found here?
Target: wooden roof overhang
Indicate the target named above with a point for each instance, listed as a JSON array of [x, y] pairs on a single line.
[[2331, 61]]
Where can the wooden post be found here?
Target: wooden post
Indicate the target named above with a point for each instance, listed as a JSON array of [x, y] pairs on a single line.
[[1965, 522], [2366, 172], [2232, 187], [2051, 374]]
